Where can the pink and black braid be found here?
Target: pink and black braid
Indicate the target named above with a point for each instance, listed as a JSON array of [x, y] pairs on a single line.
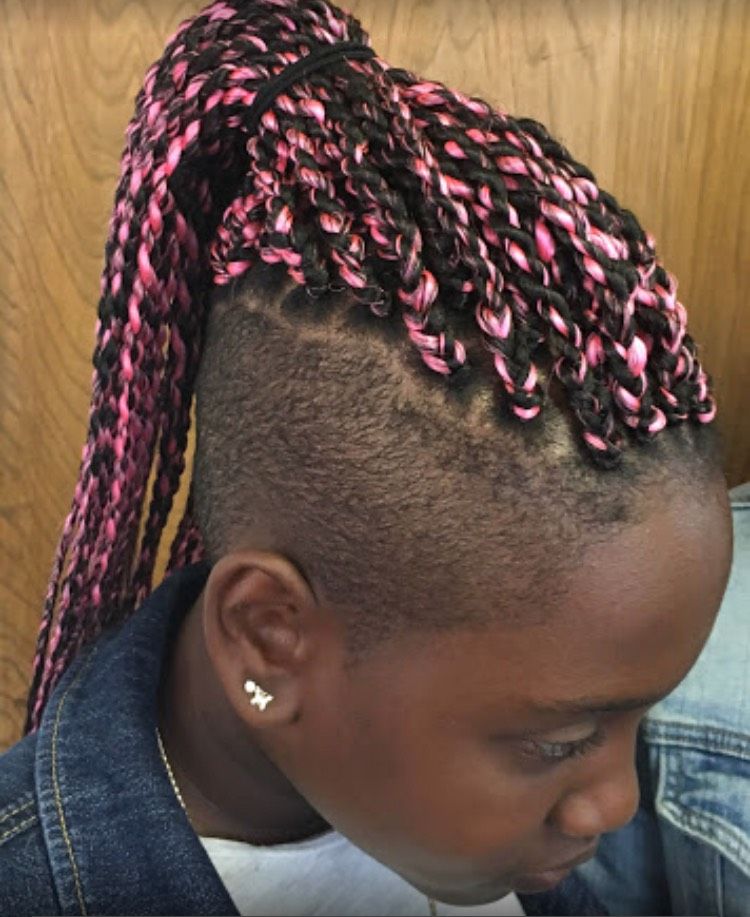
[[422, 202]]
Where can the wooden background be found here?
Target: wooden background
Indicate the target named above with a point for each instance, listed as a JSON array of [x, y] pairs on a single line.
[[651, 94]]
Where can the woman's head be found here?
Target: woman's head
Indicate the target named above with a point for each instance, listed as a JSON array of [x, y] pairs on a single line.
[[414, 577], [444, 385]]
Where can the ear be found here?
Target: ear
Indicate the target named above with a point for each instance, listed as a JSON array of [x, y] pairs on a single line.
[[259, 623]]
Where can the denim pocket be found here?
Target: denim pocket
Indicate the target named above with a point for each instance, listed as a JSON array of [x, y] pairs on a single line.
[[703, 791], [704, 784]]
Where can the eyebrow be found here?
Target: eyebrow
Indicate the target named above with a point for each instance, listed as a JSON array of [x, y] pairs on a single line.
[[597, 705]]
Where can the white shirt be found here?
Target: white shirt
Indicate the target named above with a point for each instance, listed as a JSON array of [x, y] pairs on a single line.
[[325, 875]]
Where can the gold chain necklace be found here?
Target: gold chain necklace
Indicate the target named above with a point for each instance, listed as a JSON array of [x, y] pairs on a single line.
[[172, 780], [178, 794]]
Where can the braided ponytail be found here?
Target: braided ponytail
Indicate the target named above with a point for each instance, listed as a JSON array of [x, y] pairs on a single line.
[[421, 202]]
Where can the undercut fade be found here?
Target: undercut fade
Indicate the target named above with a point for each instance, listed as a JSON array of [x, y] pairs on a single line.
[[321, 435]]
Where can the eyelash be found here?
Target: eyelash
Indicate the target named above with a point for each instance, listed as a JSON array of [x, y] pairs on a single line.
[[555, 752]]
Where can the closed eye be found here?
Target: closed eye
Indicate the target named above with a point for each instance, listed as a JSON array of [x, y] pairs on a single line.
[[555, 752]]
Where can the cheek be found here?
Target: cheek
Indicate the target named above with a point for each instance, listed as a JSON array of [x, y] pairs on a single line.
[[426, 800], [476, 802]]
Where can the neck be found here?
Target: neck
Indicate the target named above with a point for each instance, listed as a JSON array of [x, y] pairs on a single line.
[[230, 788]]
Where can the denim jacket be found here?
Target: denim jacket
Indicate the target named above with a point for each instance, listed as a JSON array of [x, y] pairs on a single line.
[[687, 851], [89, 823]]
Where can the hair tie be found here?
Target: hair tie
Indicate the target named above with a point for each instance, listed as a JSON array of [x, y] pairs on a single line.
[[317, 58]]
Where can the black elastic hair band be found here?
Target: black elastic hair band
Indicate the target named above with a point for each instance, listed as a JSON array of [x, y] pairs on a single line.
[[318, 57]]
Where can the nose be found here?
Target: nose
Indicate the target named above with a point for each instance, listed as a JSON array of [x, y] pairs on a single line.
[[602, 799]]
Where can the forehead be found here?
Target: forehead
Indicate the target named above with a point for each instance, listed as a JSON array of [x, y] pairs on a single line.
[[628, 621]]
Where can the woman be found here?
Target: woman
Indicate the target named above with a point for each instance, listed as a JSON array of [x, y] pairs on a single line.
[[434, 567]]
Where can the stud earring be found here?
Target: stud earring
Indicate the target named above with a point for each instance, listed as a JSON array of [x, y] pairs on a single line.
[[260, 698]]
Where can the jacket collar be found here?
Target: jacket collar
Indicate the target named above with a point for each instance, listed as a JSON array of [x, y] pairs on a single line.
[[116, 835]]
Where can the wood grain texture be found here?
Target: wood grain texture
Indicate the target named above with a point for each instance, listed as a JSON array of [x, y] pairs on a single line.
[[651, 94]]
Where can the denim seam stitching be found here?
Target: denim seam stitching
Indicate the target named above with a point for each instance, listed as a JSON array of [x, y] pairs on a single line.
[[700, 748], [16, 829], [675, 725], [56, 783], [18, 809], [701, 738], [709, 828]]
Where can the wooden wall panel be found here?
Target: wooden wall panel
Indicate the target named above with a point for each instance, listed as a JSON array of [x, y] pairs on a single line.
[[651, 94]]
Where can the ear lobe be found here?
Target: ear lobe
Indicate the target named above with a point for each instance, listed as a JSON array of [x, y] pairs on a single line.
[[249, 624]]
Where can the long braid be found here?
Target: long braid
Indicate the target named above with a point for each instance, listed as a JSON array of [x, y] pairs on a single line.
[[416, 198]]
